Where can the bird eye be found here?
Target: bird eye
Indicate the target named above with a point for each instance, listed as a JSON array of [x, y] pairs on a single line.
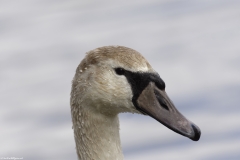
[[120, 71]]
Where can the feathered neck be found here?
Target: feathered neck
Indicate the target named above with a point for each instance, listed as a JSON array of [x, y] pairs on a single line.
[[96, 135]]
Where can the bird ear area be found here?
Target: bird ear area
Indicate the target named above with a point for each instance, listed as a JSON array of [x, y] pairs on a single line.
[[119, 71]]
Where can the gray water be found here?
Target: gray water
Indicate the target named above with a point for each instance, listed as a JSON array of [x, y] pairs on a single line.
[[193, 45]]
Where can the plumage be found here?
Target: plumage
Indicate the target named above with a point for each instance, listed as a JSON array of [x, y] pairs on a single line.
[[111, 80]]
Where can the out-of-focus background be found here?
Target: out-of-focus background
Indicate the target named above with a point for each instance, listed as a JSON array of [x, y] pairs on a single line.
[[193, 45]]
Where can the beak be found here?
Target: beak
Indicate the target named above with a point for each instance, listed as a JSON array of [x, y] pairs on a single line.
[[155, 103]]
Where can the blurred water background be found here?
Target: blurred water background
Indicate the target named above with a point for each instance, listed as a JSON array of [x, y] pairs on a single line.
[[193, 45]]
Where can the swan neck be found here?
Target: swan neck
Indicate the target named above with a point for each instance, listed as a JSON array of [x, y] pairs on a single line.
[[96, 135]]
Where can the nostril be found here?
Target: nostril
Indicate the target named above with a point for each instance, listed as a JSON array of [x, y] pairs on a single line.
[[161, 100], [197, 132]]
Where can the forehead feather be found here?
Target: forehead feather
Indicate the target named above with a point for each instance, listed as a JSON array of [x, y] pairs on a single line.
[[127, 57]]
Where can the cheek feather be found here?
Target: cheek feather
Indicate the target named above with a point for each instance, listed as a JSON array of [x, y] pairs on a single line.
[[112, 90]]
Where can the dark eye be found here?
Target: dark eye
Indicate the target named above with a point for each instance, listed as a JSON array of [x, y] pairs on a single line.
[[120, 71]]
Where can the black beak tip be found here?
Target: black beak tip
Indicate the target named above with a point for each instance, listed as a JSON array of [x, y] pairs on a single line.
[[197, 133]]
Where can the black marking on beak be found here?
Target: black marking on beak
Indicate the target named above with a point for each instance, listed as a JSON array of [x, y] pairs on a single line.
[[197, 132], [140, 80]]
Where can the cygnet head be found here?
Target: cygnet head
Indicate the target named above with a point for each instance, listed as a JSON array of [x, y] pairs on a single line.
[[115, 79]]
